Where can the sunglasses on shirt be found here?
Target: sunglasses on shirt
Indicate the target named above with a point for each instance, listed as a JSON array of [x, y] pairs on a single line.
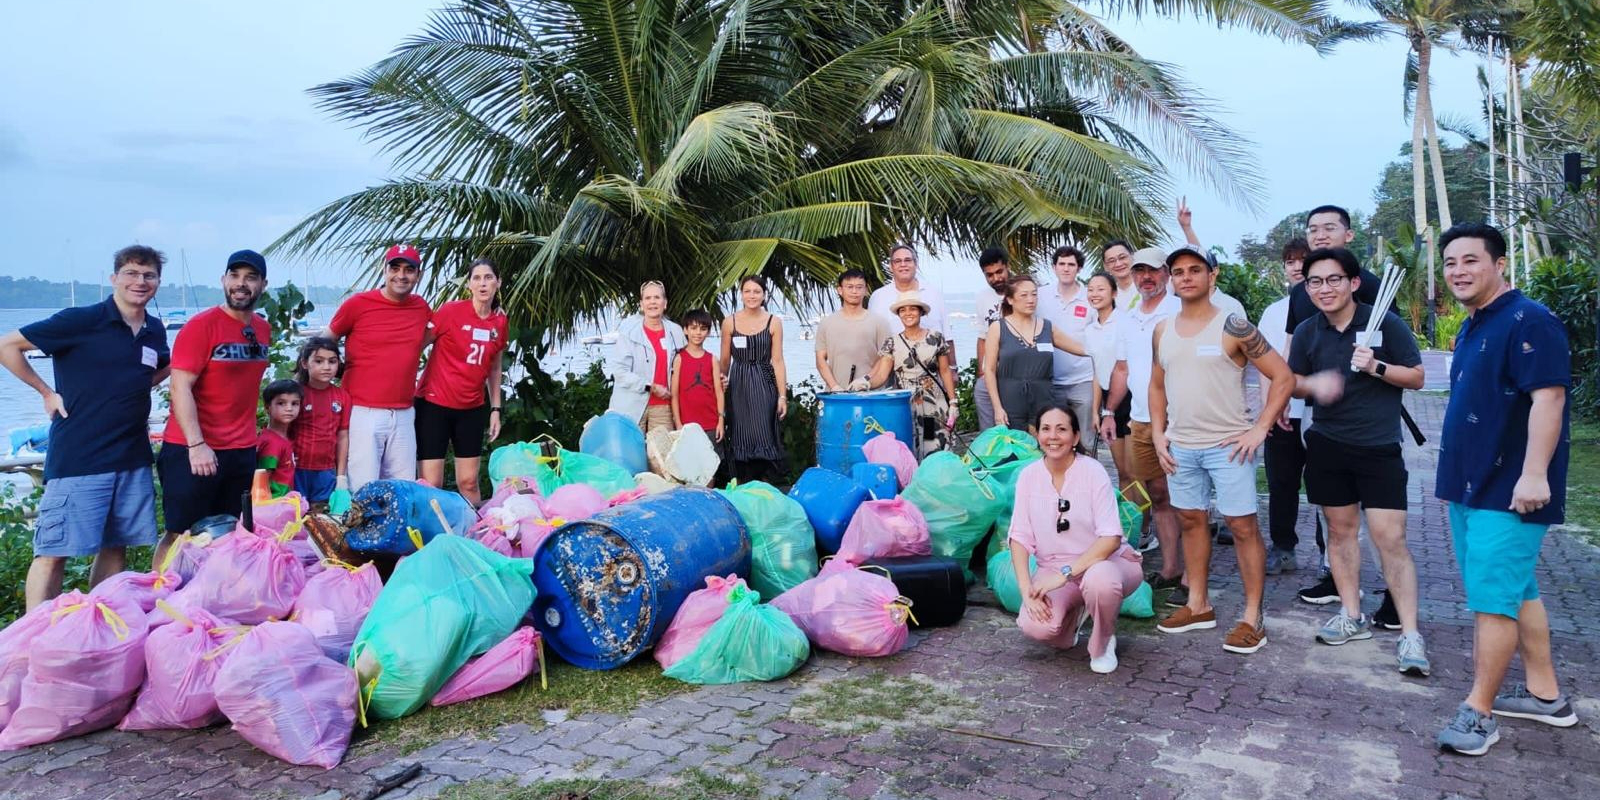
[[1063, 505]]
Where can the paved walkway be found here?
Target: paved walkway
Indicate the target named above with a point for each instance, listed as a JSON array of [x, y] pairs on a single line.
[[1181, 718]]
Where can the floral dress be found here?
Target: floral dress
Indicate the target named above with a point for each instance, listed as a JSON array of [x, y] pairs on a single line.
[[915, 366]]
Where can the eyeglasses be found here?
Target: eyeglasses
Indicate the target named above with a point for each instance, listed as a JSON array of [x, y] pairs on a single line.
[[1332, 281], [1063, 505], [138, 275]]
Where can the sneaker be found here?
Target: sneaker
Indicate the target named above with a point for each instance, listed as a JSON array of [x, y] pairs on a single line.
[[1280, 561], [1184, 620], [1107, 662], [1077, 626], [1177, 597], [1411, 656], [1245, 638], [1341, 628], [1158, 583], [1323, 593], [1470, 733], [1387, 617], [1148, 541], [1521, 704]]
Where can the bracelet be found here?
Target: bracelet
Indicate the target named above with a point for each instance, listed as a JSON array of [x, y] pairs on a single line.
[[494, 409], [196, 444]]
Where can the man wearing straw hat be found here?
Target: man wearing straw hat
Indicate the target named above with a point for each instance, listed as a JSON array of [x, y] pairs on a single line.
[[1353, 362]]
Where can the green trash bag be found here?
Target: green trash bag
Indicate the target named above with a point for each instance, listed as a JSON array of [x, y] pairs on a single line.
[[1132, 520], [752, 642], [1002, 577], [572, 466], [449, 601], [783, 548], [520, 460], [1004, 452], [960, 504], [1140, 604]]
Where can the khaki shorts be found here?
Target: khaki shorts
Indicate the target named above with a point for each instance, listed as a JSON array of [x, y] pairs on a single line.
[[656, 417], [1144, 465]]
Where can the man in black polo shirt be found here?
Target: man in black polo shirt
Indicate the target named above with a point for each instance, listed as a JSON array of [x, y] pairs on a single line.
[[1353, 458], [98, 494]]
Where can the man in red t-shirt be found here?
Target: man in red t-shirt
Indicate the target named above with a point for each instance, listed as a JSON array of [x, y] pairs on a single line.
[[384, 330], [208, 451]]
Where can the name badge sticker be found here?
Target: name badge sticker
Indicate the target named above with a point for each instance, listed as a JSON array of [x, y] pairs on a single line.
[[480, 334], [739, 342], [147, 357], [1208, 350], [1080, 311], [1044, 347]]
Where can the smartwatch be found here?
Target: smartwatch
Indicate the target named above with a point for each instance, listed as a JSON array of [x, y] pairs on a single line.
[[1380, 369]]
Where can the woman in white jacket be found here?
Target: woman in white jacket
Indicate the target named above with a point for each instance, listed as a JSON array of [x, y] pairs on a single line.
[[638, 363]]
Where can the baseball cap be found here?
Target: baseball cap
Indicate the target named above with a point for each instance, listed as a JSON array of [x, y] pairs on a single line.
[[1150, 257], [403, 252], [1211, 261], [249, 258]]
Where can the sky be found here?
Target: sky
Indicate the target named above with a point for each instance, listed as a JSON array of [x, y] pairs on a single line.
[[186, 126]]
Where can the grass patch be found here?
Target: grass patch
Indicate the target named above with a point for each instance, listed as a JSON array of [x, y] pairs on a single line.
[[577, 691], [1583, 481], [693, 784], [873, 700]]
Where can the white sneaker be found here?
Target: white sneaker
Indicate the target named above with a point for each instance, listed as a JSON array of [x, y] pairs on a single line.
[[1107, 662], [1077, 627]]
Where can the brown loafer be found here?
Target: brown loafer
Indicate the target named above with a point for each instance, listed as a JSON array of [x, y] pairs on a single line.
[[1185, 620], [1245, 638]]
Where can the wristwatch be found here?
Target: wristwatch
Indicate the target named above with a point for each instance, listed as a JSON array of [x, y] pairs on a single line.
[[1066, 572], [1380, 369]]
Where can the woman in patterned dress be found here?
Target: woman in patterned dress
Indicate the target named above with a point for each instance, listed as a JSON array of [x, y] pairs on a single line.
[[919, 359]]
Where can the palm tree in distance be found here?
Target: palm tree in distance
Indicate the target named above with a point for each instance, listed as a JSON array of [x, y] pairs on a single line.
[[590, 145]]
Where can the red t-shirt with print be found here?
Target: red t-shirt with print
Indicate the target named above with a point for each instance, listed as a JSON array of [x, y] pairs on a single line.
[[660, 378], [315, 433], [465, 348], [276, 453], [228, 364], [382, 342]]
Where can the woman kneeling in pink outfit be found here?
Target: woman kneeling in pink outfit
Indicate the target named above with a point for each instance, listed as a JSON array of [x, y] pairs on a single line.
[[1066, 517]]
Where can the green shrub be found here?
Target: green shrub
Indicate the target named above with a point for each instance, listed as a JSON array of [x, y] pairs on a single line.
[[1253, 286], [799, 426], [1568, 288], [17, 510], [1446, 327]]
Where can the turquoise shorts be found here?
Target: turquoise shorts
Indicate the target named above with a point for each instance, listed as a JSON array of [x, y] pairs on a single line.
[[1497, 553]]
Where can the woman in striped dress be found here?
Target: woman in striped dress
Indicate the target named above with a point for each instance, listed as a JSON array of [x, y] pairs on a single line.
[[752, 358]]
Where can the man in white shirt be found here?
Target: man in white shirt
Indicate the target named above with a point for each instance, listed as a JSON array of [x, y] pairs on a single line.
[[1285, 451], [1117, 257], [1066, 305], [996, 266], [903, 272]]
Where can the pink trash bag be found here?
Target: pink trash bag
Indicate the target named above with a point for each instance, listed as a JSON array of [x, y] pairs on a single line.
[[273, 517], [886, 449], [627, 496], [501, 667], [187, 553], [142, 589], [885, 529], [247, 578], [700, 610], [334, 604], [511, 487], [15, 641], [494, 539], [285, 697], [83, 670], [181, 662], [849, 611], [575, 501]]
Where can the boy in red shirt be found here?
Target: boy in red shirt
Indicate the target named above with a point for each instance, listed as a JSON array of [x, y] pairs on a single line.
[[321, 434], [274, 451], [697, 379]]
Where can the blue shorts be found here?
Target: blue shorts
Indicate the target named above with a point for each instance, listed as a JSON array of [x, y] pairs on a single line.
[[84, 514], [315, 485], [1497, 553], [1204, 470]]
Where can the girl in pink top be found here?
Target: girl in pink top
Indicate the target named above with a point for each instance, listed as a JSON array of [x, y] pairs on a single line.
[[1066, 517]]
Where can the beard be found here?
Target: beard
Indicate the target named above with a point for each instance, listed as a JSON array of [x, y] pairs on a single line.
[[246, 304]]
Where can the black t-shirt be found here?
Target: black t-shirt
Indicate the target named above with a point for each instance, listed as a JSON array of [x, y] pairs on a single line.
[[1301, 308], [1368, 414]]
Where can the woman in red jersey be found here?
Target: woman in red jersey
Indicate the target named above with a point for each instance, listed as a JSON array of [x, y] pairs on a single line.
[[459, 394]]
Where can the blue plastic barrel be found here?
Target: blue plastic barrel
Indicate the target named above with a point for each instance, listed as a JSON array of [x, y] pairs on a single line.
[[617, 439], [383, 511], [608, 586], [880, 479], [830, 500], [846, 420]]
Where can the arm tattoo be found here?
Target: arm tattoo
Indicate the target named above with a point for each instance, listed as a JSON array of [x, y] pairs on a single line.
[[1255, 345]]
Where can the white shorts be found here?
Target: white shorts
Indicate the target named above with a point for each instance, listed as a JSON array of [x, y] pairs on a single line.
[[383, 444]]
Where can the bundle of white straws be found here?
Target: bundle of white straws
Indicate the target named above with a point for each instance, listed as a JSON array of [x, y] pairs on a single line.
[[1388, 287]]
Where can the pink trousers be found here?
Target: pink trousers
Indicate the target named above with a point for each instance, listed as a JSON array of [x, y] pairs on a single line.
[[1102, 590]]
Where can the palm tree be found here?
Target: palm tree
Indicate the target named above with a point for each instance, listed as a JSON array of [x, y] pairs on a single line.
[[588, 145]]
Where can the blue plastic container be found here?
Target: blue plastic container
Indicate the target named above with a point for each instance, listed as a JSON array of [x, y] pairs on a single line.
[[617, 439], [830, 500], [846, 420], [383, 511], [880, 479], [608, 586]]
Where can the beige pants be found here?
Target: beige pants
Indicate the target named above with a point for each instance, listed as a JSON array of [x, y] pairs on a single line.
[[656, 417]]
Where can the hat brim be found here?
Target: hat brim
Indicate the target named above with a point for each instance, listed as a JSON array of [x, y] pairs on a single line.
[[923, 307], [404, 260]]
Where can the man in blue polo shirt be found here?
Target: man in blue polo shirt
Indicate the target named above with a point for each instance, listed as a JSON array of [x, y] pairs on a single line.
[[98, 494], [1503, 471]]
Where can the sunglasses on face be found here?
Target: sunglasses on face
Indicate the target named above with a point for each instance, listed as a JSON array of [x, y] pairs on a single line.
[[1063, 505]]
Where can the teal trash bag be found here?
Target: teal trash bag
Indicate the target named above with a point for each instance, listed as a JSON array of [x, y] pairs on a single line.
[[960, 504], [1004, 452], [575, 467], [1140, 604], [783, 548], [450, 601], [519, 460], [1002, 578], [752, 642], [1132, 521]]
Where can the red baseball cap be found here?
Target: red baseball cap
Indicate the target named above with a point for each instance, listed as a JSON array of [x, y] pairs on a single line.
[[403, 252]]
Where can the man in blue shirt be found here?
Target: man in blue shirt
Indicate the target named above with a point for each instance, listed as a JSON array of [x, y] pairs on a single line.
[[99, 497], [1503, 471]]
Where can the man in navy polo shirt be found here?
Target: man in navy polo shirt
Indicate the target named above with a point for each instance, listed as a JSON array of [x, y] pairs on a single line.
[[1503, 471], [98, 494]]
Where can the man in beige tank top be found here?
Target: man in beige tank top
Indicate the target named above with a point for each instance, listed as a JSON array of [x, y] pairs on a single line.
[[1206, 442]]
